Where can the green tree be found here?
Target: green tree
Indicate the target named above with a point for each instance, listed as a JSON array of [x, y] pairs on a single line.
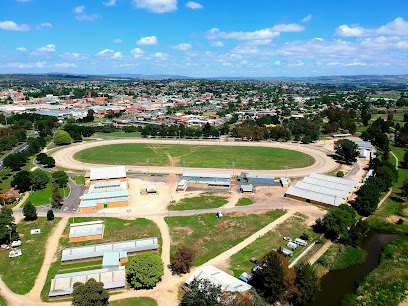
[[29, 212], [406, 160], [367, 200], [91, 293], [182, 260], [50, 215], [336, 223], [307, 282], [60, 177], [62, 138], [347, 150], [22, 181], [8, 229], [39, 179], [144, 270], [404, 188], [275, 282], [56, 195], [15, 161], [50, 162], [202, 292]]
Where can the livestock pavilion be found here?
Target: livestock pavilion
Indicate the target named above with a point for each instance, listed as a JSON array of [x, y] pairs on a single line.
[[105, 174], [208, 179], [86, 231], [323, 190]]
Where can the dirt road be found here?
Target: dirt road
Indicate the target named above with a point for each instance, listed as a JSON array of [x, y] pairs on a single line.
[[323, 163]]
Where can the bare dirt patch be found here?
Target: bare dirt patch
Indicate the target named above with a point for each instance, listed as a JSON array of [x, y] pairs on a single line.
[[186, 229], [392, 219]]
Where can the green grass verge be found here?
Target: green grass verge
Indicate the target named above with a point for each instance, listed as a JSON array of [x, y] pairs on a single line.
[[211, 236], [244, 202], [115, 230], [121, 134], [79, 180], [195, 156], [42, 197], [340, 257], [3, 302], [19, 273], [204, 201], [292, 227], [387, 284], [140, 301], [76, 265]]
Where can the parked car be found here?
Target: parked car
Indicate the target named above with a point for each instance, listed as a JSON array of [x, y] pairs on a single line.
[[16, 244], [66, 209], [287, 252], [300, 242], [292, 245], [287, 239], [15, 253], [5, 247], [35, 231]]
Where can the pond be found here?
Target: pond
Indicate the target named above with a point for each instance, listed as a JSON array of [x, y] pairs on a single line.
[[336, 284]]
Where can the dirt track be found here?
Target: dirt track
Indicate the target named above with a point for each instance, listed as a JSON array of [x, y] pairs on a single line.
[[323, 163]]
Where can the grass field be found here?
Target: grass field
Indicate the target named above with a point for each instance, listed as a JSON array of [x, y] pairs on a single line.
[[204, 201], [79, 180], [292, 227], [141, 301], [115, 230], [5, 185], [42, 197], [340, 257], [244, 202], [210, 236], [3, 302], [195, 156], [120, 134], [19, 273]]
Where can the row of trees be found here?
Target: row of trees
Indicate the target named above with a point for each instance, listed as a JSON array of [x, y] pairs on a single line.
[[46, 160], [38, 179]]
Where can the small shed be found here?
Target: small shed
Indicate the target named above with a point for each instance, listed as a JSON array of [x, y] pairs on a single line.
[[35, 231], [284, 182], [182, 185], [151, 189], [247, 189]]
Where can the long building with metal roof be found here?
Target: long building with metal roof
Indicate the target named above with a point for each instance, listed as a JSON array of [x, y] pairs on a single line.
[[86, 230], [323, 190], [207, 179]]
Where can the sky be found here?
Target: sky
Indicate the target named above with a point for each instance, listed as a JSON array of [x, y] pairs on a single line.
[[205, 38]]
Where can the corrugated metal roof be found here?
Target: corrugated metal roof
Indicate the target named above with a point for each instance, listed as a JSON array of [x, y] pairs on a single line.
[[107, 184], [86, 229], [92, 203], [247, 188], [206, 175], [104, 173], [105, 195], [334, 179], [220, 278], [314, 196]]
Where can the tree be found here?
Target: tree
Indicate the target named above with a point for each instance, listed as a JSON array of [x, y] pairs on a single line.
[[39, 179], [29, 212], [22, 181], [182, 260], [144, 270], [404, 188], [202, 292], [307, 282], [357, 232], [62, 138], [91, 293], [41, 158], [367, 199], [335, 224], [50, 215], [60, 177], [406, 160], [15, 161], [340, 174], [56, 195], [275, 281], [49, 162], [347, 150], [229, 298], [8, 229]]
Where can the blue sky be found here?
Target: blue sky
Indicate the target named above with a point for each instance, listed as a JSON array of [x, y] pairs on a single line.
[[205, 38]]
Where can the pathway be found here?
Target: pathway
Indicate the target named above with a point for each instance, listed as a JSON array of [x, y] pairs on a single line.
[[320, 252]]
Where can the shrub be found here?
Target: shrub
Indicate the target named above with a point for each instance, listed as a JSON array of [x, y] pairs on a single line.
[[50, 215], [144, 270], [340, 174], [62, 138], [182, 260]]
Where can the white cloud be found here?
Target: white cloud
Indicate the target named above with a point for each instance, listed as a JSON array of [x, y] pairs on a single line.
[[80, 14], [217, 44], [307, 18], [106, 52], [356, 63], [156, 6], [277, 63], [292, 27], [73, 56], [147, 41], [256, 35], [117, 55], [160, 55], [12, 26], [21, 49], [182, 47], [44, 25], [46, 49], [109, 3], [117, 41], [384, 42], [137, 52], [397, 27], [27, 65], [297, 64], [194, 5], [65, 65]]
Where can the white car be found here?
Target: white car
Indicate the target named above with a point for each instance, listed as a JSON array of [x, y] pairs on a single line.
[[66, 209], [5, 247], [287, 239], [15, 253], [16, 244]]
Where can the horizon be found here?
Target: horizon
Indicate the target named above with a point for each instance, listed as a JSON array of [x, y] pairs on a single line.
[[204, 39]]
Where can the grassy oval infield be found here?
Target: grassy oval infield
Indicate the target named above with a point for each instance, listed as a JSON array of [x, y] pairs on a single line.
[[252, 158]]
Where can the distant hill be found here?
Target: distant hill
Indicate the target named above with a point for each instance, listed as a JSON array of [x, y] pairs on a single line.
[[355, 79]]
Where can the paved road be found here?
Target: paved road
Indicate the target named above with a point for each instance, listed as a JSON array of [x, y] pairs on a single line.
[[323, 163]]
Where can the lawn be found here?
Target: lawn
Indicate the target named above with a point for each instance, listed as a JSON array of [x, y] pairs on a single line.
[[120, 134], [140, 301], [3, 302], [204, 201], [244, 202], [79, 180], [211, 236], [115, 230], [195, 156], [19, 273], [43, 197], [293, 227]]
